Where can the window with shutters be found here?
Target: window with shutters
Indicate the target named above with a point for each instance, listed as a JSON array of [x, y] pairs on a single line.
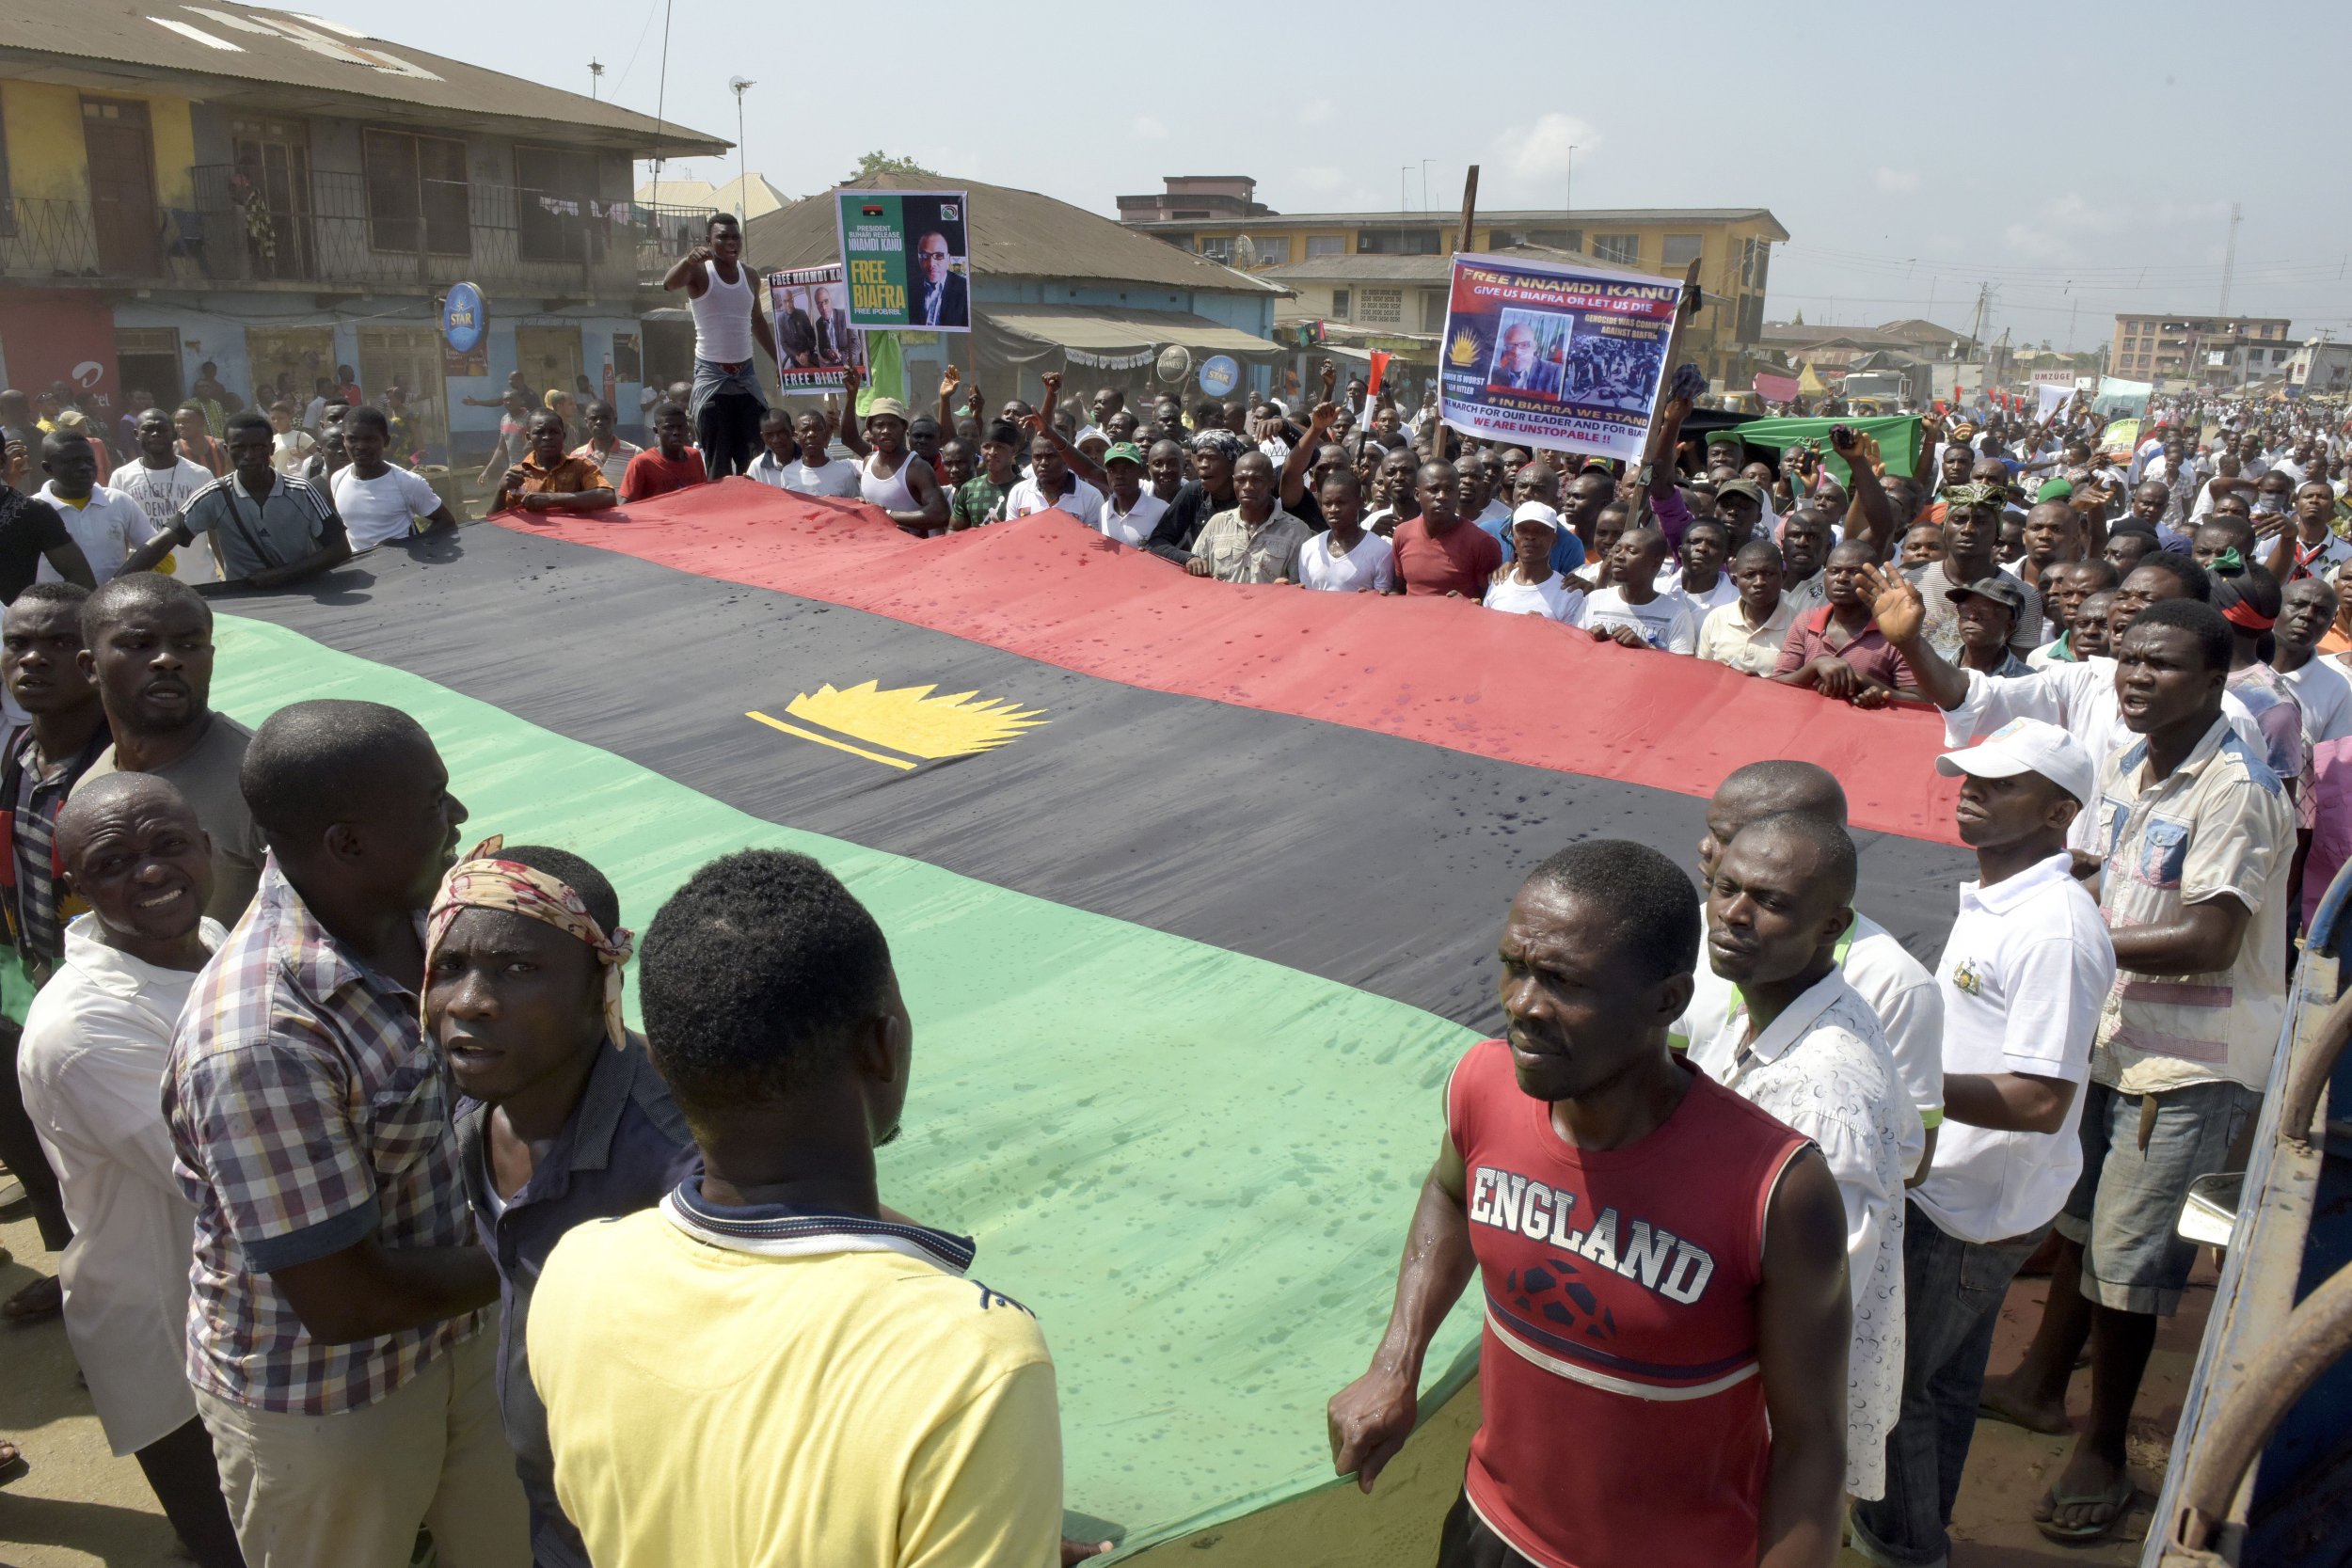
[[418, 195], [1340, 299], [1320, 246], [1384, 305], [1624, 249], [1680, 251], [553, 190], [1273, 250], [1432, 304], [1219, 249]]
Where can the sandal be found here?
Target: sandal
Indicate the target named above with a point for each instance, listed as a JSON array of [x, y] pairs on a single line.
[[2116, 1499], [38, 1302], [13, 1466]]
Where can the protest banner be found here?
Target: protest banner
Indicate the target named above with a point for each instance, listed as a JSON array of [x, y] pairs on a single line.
[[1557, 356], [906, 259], [1775, 389], [2119, 438], [814, 338]]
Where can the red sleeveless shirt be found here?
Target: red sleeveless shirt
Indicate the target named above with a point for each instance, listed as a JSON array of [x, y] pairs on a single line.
[[1624, 1420]]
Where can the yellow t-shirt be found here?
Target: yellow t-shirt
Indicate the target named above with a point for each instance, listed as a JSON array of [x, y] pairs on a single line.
[[848, 1408]]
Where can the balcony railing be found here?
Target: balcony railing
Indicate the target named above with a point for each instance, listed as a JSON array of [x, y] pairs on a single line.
[[324, 231]]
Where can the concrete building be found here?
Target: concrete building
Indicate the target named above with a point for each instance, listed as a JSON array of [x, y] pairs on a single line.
[[277, 196], [1219, 217], [2319, 366], [1054, 288], [2180, 348]]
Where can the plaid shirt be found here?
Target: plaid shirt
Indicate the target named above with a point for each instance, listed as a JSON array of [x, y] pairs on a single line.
[[308, 1115], [36, 913]]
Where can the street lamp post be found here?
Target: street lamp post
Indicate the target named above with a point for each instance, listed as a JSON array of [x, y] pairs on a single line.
[[738, 87]]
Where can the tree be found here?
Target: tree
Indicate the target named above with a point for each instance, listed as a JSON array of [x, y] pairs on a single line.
[[1799, 321], [879, 162]]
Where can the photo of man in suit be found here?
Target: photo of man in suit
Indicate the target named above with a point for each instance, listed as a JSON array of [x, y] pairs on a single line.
[[831, 327], [814, 331], [1517, 366], [942, 298]]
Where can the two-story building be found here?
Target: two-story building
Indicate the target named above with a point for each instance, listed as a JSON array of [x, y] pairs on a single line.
[[262, 197], [1380, 277]]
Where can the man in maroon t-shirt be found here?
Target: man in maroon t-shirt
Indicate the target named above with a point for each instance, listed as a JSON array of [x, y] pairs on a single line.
[[1439, 552], [1662, 1378], [668, 465]]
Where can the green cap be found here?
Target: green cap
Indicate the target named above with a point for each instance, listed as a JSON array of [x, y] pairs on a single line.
[[1124, 451], [2054, 490]]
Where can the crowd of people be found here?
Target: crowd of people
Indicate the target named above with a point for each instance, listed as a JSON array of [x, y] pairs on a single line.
[[318, 1111]]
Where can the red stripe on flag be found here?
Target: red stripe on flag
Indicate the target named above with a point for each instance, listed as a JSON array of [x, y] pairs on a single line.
[[1446, 672]]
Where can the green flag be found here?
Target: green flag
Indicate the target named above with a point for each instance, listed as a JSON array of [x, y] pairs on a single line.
[[1898, 436], [885, 370]]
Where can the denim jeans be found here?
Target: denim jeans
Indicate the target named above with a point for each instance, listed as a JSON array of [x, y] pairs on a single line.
[[1952, 1293]]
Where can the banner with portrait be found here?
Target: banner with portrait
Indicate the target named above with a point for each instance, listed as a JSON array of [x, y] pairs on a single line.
[[1559, 356], [909, 259], [814, 338]]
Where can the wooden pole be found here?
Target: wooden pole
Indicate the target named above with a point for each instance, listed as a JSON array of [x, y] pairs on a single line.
[[1684, 309], [1461, 243]]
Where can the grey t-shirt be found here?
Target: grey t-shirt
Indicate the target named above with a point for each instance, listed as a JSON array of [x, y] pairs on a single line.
[[207, 776]]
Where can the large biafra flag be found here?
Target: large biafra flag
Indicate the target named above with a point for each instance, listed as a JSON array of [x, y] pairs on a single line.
[[1194, 890]]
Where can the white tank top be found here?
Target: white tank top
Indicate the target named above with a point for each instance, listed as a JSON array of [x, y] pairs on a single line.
[[892, 494], [723, 316]]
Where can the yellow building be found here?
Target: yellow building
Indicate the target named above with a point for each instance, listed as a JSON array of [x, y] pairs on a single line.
[[1379, 278], [255, 201]]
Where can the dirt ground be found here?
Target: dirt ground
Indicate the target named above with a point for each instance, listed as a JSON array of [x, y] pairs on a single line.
[[81, 1507]]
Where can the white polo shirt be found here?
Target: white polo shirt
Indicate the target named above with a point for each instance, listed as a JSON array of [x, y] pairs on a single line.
[[109, 526], [2022, 977], [1131, 526], [1899, 989]]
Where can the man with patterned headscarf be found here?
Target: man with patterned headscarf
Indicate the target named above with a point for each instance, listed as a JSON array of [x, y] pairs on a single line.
[[564, 1120], [1972, 534]]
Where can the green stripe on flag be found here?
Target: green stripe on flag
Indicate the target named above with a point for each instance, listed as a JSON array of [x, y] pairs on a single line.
[[1196, 1167]]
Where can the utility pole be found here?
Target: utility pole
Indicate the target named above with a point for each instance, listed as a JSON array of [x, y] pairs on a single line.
[[1976, 326], [596, 77], [1568, 196], [1424, 182], [2228, 259], [1404, 202]]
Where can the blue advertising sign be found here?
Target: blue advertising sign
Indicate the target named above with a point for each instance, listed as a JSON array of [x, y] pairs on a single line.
[[464, 318], [1219, 374]]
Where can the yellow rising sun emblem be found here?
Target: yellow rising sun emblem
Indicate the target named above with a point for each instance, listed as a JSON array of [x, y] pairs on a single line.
[[906, 721], [1463, 350]]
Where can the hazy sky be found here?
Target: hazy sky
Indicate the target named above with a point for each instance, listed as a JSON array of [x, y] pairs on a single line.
[[2081, 159]]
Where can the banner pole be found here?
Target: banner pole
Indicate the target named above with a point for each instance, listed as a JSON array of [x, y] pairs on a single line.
[[1684, 309]]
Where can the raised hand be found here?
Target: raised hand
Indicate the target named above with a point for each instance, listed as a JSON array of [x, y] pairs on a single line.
[[1895, 604]]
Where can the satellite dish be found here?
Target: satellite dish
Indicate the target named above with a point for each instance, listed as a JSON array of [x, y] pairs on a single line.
[[1174, 364], [1245, 251]]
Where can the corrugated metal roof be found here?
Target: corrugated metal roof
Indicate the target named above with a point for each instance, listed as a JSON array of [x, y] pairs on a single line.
[[1548, 218], [1013, 234], [309, 62], [1100, 329], [1433, 270]]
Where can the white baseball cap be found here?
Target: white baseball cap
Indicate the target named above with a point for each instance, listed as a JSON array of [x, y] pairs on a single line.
[[1536, 512], [2027, 746]]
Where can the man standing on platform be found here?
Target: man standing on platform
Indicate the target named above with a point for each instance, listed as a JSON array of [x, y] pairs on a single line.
[[724, 292]]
